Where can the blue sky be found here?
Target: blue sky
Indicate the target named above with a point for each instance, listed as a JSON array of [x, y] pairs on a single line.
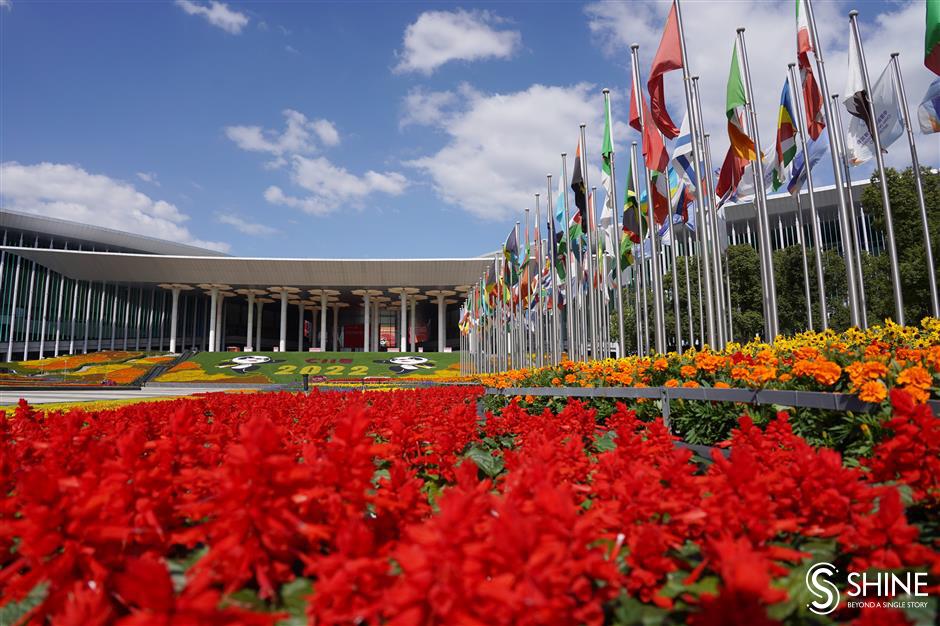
[[358, 129]]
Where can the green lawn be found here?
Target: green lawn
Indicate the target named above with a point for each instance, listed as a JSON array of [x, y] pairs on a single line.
[[286, 367]]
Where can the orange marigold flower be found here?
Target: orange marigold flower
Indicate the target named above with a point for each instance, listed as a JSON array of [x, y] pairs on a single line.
[[672, 382], [556, 381], [688, 371], [915, 376], [827, 373], [873, 391], [690, 384], [784, 377], [570, 378], [722, 385], [660, 364]]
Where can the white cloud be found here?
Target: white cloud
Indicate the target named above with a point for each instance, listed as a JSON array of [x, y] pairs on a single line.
[[244, 226], [329, 187], [6, 4], [501, 146], [216, 13], [438, 37], [69, 192], [149, 177], [771, 45], [297, 137], [426, 108], [327, 132]]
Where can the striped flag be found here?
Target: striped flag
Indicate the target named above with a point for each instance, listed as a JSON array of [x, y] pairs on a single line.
[[735, 100], [812, 98], [786, 139]]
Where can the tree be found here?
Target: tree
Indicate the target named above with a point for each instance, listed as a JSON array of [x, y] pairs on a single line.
[[909, 239]]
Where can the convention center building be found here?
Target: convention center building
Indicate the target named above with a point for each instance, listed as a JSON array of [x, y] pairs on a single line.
[[69, 288]]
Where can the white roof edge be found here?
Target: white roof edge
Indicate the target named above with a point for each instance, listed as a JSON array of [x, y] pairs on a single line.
[[240, 258]]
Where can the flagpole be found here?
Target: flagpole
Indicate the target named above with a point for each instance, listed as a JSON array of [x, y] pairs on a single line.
[[879, 159], [540, 300], [674, 270], [801, 126], [847, 247], [712, 239], [600, 288], [724, 280], [639, 261], [569, 299], [770, 289], [688, 288], [659, 312], [591, 319], [516, 311], [523, 302], [802, 242], [710, 188], [918, 184], [698, 290], [615, 236], [697, 130], [856, 240], [556, 295]]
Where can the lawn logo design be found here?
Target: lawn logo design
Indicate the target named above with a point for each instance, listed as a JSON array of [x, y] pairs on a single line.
[[248, 363], [407, 364]]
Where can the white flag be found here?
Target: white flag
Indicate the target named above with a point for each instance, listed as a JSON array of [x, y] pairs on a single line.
[[859, 144]]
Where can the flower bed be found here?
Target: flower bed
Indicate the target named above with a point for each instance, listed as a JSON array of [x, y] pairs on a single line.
[[866, 363], [405, 507], [111, 367]]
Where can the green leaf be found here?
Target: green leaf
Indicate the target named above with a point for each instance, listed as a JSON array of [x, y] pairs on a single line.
[[485, 462], [294, 596], [14, 611], [605, 442]]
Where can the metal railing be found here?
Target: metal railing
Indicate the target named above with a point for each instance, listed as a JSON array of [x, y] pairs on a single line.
[[829, 401]]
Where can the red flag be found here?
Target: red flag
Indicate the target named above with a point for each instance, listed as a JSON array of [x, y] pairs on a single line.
[[730, 176], [634, 113], [668, 58], [654, 150], [812, 102]]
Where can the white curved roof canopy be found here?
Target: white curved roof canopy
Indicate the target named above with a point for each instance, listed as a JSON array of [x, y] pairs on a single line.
[[240, 272]]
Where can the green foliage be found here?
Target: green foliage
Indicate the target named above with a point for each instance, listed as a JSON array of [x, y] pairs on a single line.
[[743, 265], [909, 236]]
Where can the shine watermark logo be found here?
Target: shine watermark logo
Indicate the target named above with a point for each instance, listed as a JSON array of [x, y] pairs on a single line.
[[823, 589], [884, 587]]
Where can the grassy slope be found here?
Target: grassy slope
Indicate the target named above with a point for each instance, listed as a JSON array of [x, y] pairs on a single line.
[[288, 367]]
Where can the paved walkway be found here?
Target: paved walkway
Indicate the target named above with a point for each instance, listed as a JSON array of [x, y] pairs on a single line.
[[81, 395]]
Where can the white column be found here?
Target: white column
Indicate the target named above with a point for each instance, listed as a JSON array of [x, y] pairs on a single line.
[[413, 334], [140, 310], [58, 316], [213, 307], [174, 312], [29, 311], [114, 315], [441, 332], [300, 327], [127, 316], [376, 326], [323, 321], [104, 295], [282, 341], [258, 333], [366, 325], [335, 327], [251, 320], [75, 286], [45, 314], [12, 319], [403, 341]]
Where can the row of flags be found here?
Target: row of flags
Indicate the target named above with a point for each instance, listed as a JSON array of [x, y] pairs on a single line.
[[583, 261]]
